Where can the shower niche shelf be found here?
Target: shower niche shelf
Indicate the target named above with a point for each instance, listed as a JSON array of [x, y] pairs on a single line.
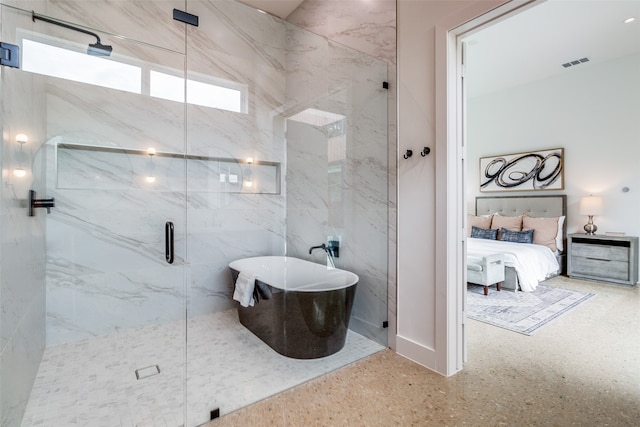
[[90, 167]]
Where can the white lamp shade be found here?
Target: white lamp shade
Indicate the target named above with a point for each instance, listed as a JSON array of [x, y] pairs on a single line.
[[591, 205]]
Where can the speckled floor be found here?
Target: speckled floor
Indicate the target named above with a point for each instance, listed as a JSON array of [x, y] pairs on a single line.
[[581, 370]]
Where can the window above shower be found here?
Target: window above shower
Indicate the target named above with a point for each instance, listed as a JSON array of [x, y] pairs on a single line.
[[61, 59]]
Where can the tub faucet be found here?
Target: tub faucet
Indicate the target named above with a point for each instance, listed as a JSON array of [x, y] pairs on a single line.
[[327, 250], [322, 246]]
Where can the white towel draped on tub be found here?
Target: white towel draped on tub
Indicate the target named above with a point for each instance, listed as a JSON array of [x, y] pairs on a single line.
[[245, 285]]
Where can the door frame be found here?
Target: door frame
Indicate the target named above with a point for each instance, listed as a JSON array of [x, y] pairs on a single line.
[[450, 194]]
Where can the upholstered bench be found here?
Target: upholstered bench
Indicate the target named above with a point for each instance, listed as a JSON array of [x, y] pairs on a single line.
[[486, 271]]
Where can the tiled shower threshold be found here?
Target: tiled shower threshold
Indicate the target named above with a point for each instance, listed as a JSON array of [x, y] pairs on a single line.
[[98, 382]]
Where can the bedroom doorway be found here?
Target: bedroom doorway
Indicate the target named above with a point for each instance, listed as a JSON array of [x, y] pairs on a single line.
[[485, 342], [452, 124]]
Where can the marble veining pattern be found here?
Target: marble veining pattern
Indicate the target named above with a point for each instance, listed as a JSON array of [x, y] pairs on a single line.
[[22, 252], [369, 27], [105, 239], [93, 382], [98, 194], [148, 21], [105, 245], [343, 197]]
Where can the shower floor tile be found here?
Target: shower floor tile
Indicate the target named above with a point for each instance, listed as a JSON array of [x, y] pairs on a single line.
[[93, 382]]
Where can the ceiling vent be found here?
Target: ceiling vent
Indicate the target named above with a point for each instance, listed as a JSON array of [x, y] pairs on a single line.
[[575, 62]]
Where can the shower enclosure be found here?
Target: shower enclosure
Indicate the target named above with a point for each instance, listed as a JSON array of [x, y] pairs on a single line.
[[185, 148]]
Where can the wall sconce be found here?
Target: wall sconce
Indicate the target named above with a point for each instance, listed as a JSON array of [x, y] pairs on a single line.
[[248, 182], [21, 139], [150, 178], [591, 206]]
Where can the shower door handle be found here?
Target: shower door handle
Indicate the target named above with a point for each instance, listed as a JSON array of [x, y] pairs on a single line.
[[168, 242]]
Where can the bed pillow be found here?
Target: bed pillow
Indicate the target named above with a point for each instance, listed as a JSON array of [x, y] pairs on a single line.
[[482, 221], [516, 236], [544, 230], [513, 223], [484, 233]]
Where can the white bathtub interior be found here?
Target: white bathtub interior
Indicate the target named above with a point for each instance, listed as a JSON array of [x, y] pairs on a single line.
[[295, 274]]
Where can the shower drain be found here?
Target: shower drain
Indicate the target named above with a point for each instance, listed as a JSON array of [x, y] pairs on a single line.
[[147, 372]]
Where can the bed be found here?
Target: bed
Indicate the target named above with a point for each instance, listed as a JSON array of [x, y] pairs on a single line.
[[525, 264]]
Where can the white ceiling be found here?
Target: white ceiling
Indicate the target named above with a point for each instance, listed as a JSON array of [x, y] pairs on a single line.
[[279, 8], [534, 44]]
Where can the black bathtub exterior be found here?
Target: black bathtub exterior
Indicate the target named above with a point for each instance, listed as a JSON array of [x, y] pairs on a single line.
[[301, 325]]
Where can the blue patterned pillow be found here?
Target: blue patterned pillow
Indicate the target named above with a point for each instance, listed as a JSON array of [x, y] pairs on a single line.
[[516, 236], [484, 233]]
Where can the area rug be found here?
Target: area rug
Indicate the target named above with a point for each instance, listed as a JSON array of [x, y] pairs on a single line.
[[523, 312]]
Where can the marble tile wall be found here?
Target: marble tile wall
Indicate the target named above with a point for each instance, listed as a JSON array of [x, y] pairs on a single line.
[[105, 269], [148, 21], [237, 43], [106, 266], [22, 246], [345, 197], [221, 226], [370, 27]]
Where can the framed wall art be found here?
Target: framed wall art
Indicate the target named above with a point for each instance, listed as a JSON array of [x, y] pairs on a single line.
[[534, 170]]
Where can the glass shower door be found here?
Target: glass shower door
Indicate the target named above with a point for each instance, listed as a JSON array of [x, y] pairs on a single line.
[[106, 137]]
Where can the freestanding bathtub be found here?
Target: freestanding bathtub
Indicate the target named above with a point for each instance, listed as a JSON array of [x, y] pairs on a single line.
[[304, 308]]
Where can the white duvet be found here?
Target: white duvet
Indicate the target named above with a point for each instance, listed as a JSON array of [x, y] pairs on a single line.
[[533, 263]]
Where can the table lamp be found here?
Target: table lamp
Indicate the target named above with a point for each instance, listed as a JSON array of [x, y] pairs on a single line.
[[590, 206]]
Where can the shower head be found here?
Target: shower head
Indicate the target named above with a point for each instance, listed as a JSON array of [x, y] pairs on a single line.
[[99, 49]]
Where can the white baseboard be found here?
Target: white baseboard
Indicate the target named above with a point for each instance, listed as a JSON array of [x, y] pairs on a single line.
[[416, 352]]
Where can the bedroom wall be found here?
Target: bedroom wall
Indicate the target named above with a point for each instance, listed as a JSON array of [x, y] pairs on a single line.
[[591, 111]]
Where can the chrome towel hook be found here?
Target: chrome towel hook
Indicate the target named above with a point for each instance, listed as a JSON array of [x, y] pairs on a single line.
[[425, 151], [408, 154]]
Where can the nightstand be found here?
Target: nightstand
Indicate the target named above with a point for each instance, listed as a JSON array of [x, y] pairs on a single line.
[[603, 258]]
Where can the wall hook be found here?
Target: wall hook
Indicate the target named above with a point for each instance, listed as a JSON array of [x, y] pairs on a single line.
[[425, 151], [408, 154]]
